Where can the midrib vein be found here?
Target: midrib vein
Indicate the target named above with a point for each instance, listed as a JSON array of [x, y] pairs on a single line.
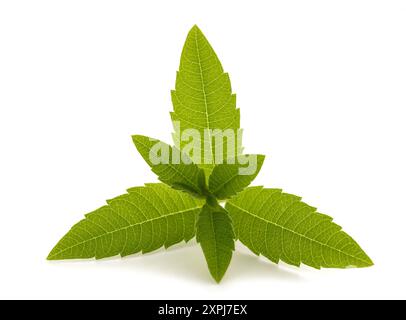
[[215, 245], [122, 229], [296, 233], [223, 184], [204, 98]]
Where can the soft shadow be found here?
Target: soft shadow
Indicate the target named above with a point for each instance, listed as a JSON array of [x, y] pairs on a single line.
[[250, 266], [187, 261]]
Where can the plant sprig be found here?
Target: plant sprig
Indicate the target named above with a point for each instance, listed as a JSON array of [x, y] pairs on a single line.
[[197, 177]]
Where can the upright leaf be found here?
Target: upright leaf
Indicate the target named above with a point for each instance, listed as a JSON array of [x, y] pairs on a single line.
[[227, 180], [145, 219], [216, 237], [178, 171], [281, 227], [203, 100]]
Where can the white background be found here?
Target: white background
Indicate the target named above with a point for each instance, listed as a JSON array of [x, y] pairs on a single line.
[[322, 91]]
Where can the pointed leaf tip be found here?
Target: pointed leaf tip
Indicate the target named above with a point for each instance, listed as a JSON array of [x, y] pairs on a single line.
[[195, 31], [367, 262], [195, 28]]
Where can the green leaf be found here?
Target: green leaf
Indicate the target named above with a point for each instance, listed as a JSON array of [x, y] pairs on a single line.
[[226, 179], [203, 99], [216, 237], [145, 219], [174, 172], [281, 227]]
